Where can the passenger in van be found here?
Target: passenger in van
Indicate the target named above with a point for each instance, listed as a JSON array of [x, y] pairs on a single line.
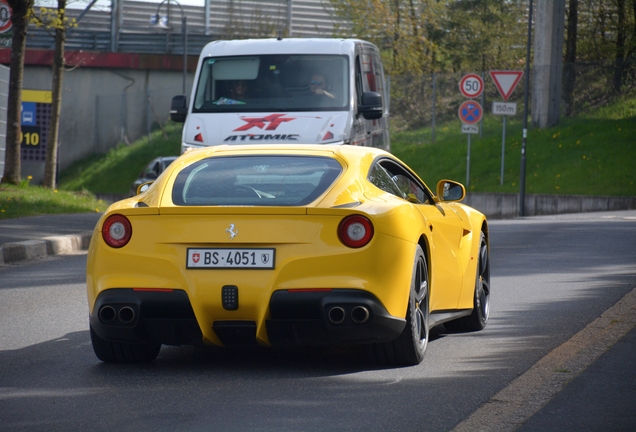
[[240, 90], [317, 86]]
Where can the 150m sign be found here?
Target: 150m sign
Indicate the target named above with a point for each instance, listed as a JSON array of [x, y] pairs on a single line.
[[30, 136]]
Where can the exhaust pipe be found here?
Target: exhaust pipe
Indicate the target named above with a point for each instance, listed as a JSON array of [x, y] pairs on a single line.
[[126, 314], [107, 314], [360, 314], [336, 315]]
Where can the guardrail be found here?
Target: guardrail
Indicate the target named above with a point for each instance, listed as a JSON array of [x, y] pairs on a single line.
[[506, 206], [141, 42]]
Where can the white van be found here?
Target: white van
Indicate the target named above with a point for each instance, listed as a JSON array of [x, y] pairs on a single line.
[[310, 91]]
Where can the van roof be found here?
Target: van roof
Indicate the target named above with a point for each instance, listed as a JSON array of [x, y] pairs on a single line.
[[281, 46]]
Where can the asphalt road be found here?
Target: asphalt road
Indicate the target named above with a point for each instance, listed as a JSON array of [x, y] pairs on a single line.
[[551, 278]]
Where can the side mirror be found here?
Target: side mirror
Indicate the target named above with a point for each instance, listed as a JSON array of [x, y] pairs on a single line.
[[179, 108], [371, 107], [143, 187], [448, 190]]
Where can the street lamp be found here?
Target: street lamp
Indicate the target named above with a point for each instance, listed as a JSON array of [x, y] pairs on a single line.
[[163, 22]]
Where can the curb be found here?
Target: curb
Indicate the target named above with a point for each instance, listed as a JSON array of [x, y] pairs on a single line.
[[55, 245]]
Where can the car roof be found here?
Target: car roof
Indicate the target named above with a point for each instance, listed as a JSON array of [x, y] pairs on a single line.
[[345, 151]]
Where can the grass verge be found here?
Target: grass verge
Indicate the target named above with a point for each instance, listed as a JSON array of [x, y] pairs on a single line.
[[24, 200], [590, 155]]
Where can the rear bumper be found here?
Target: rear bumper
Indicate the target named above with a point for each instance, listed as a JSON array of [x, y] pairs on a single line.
[[126, 315], [329, 317], [340, 316]]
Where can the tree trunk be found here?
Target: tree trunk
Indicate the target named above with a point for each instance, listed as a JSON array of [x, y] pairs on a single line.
[[569, 72], [619, 59], [50, 167], [14, 103]]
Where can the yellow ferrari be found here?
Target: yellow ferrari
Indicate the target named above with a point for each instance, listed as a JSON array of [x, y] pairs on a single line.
[[286, 245]]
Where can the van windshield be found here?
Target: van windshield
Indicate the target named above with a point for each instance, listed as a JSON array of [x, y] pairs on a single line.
[[273, 83]]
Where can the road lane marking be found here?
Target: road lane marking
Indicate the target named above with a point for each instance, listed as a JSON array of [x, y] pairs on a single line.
[[527, 394]]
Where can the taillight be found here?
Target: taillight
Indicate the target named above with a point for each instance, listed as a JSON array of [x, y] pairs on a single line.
[[355, 231], [117, 230]]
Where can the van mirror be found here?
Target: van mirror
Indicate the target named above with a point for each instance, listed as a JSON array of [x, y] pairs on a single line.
[[371, 107], [179, 108]]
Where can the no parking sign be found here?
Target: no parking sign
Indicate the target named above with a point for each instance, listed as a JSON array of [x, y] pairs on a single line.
[[470, 112]]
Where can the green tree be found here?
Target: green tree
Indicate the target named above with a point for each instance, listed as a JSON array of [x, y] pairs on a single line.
[[404, 30], [21, 10], [485, 34], [569, 72], [55, 20], [606, 30]]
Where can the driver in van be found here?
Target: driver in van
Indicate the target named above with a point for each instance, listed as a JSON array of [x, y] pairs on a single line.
[[239, 90], [317, 86]]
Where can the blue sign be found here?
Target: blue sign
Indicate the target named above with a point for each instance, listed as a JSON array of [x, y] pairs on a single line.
[[28, 113]]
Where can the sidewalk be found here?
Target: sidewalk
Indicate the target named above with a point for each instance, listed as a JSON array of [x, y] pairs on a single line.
[[39, 236]]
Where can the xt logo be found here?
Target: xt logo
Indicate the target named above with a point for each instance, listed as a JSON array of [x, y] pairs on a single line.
[[274, 121]]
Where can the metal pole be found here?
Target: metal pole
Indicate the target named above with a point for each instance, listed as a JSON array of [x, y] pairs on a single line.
[[503, 149], [289, 18], [522, 185], [433, 116], [483, 104], [184, 28], [207, 17], [468, 163]]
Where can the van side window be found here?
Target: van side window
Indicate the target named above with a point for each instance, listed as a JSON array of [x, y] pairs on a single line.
[[359, 87]]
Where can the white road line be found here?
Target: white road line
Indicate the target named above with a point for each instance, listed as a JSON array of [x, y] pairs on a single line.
[[512, 406]]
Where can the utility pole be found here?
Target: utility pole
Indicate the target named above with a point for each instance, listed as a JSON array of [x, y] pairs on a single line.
[[522, 183]]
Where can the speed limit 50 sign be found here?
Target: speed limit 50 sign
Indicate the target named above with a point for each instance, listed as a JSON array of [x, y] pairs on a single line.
[[471, 85]]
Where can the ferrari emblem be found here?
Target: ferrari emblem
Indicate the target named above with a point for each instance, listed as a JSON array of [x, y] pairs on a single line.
[[232, 232]]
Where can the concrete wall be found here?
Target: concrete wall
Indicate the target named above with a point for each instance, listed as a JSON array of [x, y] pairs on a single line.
[[506, 206], [103, 107], [548, 63]]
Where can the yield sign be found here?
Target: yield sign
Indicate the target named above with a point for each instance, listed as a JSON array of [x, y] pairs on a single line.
[[506, 81]]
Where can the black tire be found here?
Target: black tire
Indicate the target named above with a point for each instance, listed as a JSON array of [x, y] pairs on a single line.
[[118, 352], [481, 301], [409, 348]]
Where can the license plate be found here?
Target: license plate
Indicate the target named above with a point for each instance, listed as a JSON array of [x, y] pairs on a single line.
[[231, 258]]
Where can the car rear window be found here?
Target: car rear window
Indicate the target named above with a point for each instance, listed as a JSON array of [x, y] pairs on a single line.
[[255, 181]]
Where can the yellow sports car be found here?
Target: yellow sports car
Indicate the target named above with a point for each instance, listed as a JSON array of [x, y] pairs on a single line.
[[286, 244]]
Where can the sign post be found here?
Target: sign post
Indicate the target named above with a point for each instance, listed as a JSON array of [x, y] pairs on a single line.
[[505, 81], [470, 113]]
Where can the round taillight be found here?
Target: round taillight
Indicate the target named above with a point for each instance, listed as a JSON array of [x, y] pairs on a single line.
[[117, 230], [355, 231]]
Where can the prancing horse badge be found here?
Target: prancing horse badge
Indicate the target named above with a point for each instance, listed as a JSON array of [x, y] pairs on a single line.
[[231, 231]]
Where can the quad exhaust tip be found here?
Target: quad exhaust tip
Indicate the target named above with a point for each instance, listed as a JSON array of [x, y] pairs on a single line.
[[108, 314], [360, 314], [336, 315], [126, 314]]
